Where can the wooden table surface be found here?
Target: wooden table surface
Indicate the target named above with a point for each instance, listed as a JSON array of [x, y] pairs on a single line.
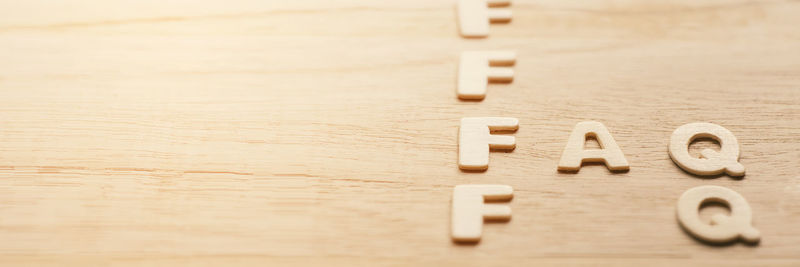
[[320, 132]]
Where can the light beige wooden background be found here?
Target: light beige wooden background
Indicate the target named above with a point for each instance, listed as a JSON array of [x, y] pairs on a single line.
[[320, 132]]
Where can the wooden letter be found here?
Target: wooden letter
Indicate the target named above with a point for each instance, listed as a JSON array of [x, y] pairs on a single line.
[[609, 153], [478, 68], [712, 162], [723, 229], [469, 209], [474, 16], [475, 140]]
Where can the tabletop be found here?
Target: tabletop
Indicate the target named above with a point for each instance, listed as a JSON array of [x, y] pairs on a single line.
[[325, 132]]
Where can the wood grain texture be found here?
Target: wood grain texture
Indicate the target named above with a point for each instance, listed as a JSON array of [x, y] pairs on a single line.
[[323, 132]]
